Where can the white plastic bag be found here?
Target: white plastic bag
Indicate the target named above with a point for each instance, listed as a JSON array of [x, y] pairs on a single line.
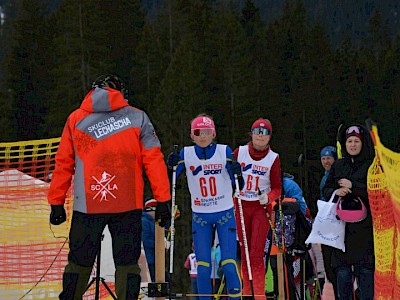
[[326, 228]]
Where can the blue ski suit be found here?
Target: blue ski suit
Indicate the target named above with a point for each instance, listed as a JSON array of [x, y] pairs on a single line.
[[203, 225]]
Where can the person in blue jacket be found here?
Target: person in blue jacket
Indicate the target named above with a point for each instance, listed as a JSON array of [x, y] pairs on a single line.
[[209, 172], [148, 234], [293, 190], [328, 156]]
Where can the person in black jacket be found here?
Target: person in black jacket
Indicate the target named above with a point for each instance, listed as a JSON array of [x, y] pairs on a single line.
[[348, 176]]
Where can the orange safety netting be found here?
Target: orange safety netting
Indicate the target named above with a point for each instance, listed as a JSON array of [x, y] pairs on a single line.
[[33, 254], [384, 196]]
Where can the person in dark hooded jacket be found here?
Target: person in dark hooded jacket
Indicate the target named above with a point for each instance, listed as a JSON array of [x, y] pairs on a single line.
[[348, 178]]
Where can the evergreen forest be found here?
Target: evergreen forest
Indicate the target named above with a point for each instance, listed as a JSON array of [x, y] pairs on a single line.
[[200, 56]]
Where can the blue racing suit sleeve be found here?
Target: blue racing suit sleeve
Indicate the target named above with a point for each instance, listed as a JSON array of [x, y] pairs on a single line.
[[229, 160], [181, 164]]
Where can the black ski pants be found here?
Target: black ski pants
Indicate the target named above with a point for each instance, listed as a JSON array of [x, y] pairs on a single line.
[[85, 237]]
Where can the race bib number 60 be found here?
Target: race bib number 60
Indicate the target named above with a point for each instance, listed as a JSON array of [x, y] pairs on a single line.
[[208, 186]]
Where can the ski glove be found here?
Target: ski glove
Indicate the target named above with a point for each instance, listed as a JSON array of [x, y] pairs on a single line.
[[172, 160], [263, 197], [57, 215], [167, 244], [236, 168], [163, 213]]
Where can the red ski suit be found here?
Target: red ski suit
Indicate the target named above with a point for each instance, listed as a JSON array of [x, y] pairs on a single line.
[[256, 226]]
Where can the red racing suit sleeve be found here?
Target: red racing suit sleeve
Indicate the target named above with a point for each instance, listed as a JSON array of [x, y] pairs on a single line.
[[156, 171], [64, 170], [276, 180], [154, 163]]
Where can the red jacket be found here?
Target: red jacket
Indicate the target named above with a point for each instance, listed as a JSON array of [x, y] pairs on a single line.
[[105, 145]]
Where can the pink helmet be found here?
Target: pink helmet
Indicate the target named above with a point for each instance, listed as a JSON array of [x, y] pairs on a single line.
[[202, 122], [351, 209]]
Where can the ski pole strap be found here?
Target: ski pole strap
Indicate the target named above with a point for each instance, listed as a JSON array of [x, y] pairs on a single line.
[[177, 213]]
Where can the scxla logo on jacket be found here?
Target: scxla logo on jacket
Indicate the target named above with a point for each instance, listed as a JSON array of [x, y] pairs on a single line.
[[104, 187]]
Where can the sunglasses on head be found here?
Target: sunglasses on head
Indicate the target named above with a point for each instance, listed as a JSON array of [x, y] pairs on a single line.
[[205, 131], [354, 129], [258, 130]]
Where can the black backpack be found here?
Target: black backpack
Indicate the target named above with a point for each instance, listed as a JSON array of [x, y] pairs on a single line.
[[296, 228], [303, 230]]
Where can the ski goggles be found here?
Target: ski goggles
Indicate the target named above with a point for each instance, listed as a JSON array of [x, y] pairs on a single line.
[[354, 129], [204, 131], [263, 131]]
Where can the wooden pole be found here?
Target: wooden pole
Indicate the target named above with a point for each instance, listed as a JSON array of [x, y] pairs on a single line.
[[160, 256], [281, 276]]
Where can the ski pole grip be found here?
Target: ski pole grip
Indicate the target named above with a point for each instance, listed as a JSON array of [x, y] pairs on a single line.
[[369, 122]]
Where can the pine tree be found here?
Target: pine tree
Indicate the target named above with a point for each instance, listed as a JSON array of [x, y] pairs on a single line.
[[230, 75], [148, 70], [94, 38], [6, 94], [27, 69], [257, 37], [380, 78]]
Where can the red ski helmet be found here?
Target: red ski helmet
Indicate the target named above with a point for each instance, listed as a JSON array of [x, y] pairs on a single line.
[[262, 123], [351, 209]]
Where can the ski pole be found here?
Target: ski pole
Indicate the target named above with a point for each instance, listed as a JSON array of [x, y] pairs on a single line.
[[172, 225], [338, 145], [281, 220], [246, 247], [171, 249], [300, 162], [271, 224]]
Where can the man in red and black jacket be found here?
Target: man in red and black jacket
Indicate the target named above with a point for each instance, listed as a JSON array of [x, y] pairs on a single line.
[[104, 147]]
